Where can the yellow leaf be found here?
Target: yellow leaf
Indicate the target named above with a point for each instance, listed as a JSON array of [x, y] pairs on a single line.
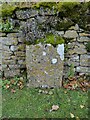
[[72, 115], [55, 107], [81, 106]]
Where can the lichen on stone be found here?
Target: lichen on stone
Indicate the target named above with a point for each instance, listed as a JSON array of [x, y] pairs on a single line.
[[60, 51]]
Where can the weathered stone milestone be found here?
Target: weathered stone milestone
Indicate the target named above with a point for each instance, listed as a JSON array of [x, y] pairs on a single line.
[[44, 65]]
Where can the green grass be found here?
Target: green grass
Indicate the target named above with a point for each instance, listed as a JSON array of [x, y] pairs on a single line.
[[29, 103]]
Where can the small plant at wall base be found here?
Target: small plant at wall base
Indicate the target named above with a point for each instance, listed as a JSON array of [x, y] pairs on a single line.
[[88, 46], [13, 84], [71, 71], [51, 39]]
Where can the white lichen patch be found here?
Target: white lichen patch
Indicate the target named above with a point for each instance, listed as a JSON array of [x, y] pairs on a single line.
[[44, 53], [45, 72], [60, 51], [12, 48], [54, 61]]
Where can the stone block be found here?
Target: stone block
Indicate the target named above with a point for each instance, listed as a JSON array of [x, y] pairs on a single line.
[[4, 67], [9, 41], [21, 47], [77, 50], [5, 48], [85, 60], [75, 58], [2, 34], [20, 54], [14, 35], [69, 62], [8, 62], [44, 66], [83, 39], [11, 73], [85, 70], [26, 14], [71, 34]]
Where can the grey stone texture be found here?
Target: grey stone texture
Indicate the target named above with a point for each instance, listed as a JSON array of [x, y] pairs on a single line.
[[11, 55], [85, 60], [44, 66], [71, 34]]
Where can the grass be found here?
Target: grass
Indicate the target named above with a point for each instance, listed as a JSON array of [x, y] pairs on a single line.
[[29, 103]]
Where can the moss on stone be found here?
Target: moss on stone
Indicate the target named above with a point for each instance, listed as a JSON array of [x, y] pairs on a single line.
[[64, 25], [49, 39], [54, 39], [7, 9], [45, 5]]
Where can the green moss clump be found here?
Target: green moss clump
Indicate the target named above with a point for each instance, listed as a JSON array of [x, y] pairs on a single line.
[[54, 39], [45, 5], [7, 9], [64, 25], [49, 39]]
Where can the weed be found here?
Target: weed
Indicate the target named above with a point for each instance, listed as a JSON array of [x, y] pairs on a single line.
[[71, 71], [14, 83], [6, 26]]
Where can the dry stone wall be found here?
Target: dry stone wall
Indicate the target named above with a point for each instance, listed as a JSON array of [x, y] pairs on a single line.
[[33, 24], [77, 53], [12, 53]]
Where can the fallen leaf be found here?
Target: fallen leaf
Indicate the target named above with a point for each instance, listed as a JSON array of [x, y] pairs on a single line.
[[81, 106], [50, 93], [21, 86], [40, 91], [72, 115], [7, 86], [65, 92], [13, 91], [77, 118], [55, 107], [12, 81]]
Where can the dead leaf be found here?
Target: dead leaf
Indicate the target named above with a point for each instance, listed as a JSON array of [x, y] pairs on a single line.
[[21, 86], [81, 106], [7, 86], [65, 92], [55, 107], [50, 93], [72, 115], [13, 91], [12, 81]]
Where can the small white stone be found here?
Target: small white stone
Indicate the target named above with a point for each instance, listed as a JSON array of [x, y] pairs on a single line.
[[44, 53], [54, 61]]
